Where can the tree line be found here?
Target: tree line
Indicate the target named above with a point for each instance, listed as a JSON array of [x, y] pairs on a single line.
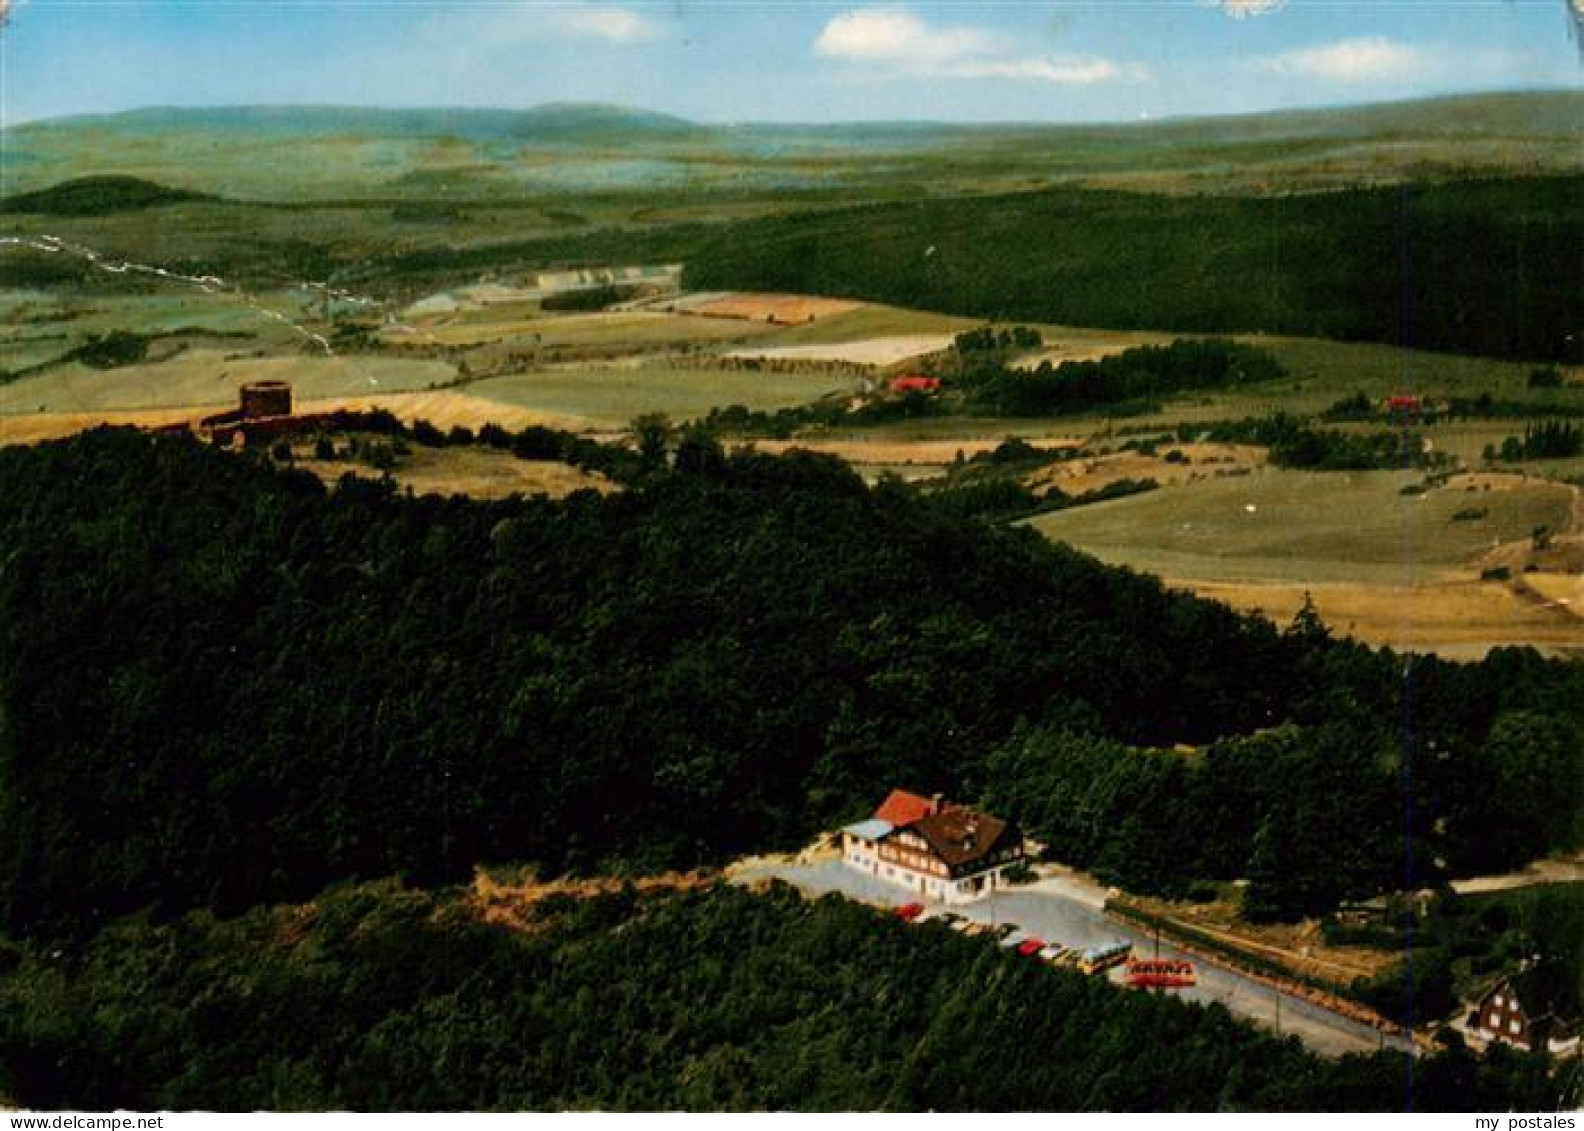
[[379, 997], [222, 684]]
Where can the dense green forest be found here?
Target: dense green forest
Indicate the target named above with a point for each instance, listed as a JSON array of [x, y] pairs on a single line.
[[1307, 815], [995, 389], [1484, 267], [378, 998], [97, 196], [222, 684]]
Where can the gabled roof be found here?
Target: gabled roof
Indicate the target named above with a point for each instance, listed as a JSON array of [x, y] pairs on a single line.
[[872, 829], [960, 837], [1544, 991], [902, 808]]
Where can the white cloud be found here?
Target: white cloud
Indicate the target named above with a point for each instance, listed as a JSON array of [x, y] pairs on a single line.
[[1242, 9], [527, 23], [619, 25], [1372, 59], [892, 41], [895, 35]]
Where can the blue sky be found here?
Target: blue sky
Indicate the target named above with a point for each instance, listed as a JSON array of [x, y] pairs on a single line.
[[750, 60]]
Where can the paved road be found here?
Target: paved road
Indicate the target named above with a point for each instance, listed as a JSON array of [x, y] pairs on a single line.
[[1060, 913]]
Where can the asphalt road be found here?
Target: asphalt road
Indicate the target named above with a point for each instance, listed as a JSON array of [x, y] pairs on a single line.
[[1059, 913]]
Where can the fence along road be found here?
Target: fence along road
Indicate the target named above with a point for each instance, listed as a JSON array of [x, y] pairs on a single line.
[[1060, 911]]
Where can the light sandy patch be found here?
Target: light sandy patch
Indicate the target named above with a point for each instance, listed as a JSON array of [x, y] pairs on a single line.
[[1090, 473], [1562, 589], [786, 310], [934, 452], [1552, 870], [871, 351]]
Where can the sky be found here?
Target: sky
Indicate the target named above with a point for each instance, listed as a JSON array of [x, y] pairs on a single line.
[[773, 61]]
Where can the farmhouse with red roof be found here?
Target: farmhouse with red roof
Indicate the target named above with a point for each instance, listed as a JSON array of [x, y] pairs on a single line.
[[915, 383]]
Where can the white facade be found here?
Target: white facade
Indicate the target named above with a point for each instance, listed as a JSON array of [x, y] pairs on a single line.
[[907, 863]]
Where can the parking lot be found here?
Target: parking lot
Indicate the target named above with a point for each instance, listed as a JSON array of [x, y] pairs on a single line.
[[1058, 911]]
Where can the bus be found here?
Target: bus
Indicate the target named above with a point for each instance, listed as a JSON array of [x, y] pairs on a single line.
[[1099, 958]]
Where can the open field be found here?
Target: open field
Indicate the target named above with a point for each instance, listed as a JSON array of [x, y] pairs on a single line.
[[212, 377], [1203, 461], [1458, 619], [780, 309], [1304, 527], [610, 397], [481, 473], [635, 329], [444, 409], [1384, 567]]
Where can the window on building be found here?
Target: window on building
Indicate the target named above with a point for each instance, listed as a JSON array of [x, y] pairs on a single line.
[[1512, 1026], [1498, 1001]]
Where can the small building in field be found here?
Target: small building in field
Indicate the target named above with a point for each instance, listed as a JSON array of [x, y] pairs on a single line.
[[1531, 1009], [934, 849], [915, 383]]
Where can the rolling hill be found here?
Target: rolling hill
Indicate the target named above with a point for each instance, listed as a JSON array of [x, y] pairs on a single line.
[[314, 152]]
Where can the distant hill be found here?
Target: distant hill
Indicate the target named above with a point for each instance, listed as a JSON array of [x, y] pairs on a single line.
[[293, 153], [562, 122], [97, 196]]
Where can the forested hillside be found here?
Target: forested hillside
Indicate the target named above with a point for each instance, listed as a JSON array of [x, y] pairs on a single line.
[[222, 685], [379, 998], [1483, 267]]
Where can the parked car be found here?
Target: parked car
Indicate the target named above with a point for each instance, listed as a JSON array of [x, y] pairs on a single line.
[[1030, 947], [909, 911], [1013, 940], [1004, 931]]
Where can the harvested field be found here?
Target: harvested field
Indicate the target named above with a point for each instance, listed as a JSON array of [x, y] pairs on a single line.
[[443, 408], [610, 396], [1461, 619], [1205, 461], [36, 427], [872, 351], [784, 310], [480, 473], [634, 329]]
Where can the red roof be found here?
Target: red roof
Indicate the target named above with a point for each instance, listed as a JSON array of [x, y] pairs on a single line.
[[903, 808], [912, 382]]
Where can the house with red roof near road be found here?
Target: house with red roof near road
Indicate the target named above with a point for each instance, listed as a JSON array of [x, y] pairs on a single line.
[[935, 849], [915, 383]]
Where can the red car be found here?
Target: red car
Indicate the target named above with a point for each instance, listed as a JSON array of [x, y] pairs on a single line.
[[909, 911], [1030, 948]]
